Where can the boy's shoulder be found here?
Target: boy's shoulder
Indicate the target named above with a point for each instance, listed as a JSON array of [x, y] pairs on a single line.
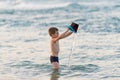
[[53, 40]]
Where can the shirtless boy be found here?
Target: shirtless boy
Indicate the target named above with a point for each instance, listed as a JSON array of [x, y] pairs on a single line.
[[54, 45]]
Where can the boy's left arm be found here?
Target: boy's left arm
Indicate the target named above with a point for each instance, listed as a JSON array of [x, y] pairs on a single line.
[[65, 34]]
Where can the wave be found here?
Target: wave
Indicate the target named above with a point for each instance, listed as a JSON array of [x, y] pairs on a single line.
[[45, 67], [40, 4], [19, 4]]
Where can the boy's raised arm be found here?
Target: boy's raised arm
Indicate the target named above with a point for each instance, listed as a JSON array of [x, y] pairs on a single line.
[[65, 34]]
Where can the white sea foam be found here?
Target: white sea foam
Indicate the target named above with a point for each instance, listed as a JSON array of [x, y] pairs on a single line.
[[29, 5], [21, 4]]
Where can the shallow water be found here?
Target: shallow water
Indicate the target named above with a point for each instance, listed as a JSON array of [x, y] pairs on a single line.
[[24, 39]]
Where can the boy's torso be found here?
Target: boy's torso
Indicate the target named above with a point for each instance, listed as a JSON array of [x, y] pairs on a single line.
[[54, 48]]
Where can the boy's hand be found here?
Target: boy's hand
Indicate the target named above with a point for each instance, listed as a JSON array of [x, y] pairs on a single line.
[[67, 29]]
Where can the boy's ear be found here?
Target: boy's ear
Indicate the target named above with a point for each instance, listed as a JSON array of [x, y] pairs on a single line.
[[52, 35]]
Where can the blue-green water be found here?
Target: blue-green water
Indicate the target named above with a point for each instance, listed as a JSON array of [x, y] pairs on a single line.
[[24, 39]]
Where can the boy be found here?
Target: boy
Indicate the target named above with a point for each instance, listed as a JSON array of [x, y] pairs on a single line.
[[54, 45]]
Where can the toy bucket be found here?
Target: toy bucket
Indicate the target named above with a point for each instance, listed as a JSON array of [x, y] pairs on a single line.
[[73, 27]]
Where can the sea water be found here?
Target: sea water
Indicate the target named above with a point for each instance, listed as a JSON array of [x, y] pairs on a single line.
[[24, 39]]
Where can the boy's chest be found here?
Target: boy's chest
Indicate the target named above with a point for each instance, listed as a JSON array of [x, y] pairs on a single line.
[[56, 45]]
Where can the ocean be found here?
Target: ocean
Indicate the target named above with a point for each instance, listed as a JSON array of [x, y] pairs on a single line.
[[93, 53]]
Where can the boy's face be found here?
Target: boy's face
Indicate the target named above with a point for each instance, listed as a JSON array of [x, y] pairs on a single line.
[[56, 34]]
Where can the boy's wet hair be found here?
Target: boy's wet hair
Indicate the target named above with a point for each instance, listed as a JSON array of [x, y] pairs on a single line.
[[52, 30]]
